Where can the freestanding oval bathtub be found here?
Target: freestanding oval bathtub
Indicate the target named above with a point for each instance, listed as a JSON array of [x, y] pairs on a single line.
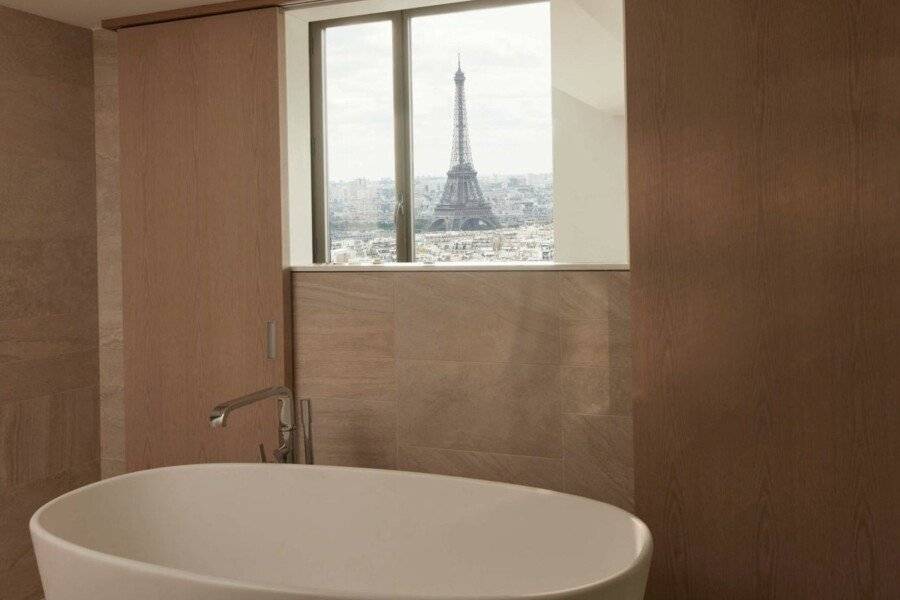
[[235, 531]]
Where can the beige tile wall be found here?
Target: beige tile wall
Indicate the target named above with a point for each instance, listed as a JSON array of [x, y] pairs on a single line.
[[109, 253], [511, 376], [48, 280]]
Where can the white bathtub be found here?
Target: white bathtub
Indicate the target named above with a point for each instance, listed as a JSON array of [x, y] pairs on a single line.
[[227, 532]]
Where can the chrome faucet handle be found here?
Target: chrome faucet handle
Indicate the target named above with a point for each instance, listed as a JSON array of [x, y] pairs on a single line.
[[262, 453], [306, 429], [286, 417], [281, 454]]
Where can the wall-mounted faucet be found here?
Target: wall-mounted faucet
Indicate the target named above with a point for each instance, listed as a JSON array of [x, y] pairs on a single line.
[[286, 420]]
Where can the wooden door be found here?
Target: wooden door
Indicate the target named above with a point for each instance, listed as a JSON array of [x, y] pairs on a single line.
[[201, 233], [764, 187]]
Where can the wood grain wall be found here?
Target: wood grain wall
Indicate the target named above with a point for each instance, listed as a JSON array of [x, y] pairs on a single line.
[[510, 376], [200, 162], [48, 280], [764, 157]]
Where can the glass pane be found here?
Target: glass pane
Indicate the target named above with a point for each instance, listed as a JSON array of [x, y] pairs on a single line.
[[359, 129], [482, 135]]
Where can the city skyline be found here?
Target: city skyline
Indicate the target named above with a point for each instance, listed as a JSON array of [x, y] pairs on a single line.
[[508, 72], [362, 229], [441, 176], [482, 138]]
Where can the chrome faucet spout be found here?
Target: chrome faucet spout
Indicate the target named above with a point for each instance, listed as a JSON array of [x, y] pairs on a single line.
[[287, 421], [217, 417]]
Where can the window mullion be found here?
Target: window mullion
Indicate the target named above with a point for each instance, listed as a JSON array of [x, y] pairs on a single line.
[[403, 171], [321, 245]]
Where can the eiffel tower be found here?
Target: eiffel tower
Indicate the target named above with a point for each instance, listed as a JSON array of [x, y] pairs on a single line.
[[462, 205]]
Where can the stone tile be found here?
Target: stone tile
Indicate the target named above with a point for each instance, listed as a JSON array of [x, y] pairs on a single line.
[[111, 332], [112, 366], [373, 379], [47, 435], [109, 254], [522, 470], [343, 292], [109, 290], [481, 317], [535, 291], [45, 376], [599, 458], [322, 335], [486, 417], [106, 122], [25, 431], [32, 46], [341, 317], [18, 570], [584, 294], [106, 58], [42, 278], [35, 338], [514, 337], [111, 467], [497, 407], [584, 342], [585, 390], [511, 317], [112, 422], [109, 218], [80, 428], [620, 343], [357, 433], [48, 279], [42, 118], [107, 181], [109, 245], [45, 198], [430, 316]]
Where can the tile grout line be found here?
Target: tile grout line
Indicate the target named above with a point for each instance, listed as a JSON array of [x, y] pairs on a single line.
[[51, 393], [467, 451], [91, 350], [499, 362], [42, 317], [362, 358], [396, 383], [562, 425], [557, 365]]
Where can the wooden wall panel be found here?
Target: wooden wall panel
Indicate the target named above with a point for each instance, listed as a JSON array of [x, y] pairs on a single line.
[[510, 376], [48, 280], [201, 233], [765, 213]]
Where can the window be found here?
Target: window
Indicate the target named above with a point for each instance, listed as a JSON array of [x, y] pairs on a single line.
[[372, 123], [358, 117], [432, 135]]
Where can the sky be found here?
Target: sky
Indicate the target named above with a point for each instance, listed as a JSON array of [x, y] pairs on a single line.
[[505, 54]]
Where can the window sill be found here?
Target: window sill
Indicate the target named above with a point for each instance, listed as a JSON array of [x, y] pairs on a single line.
[[416, 267]]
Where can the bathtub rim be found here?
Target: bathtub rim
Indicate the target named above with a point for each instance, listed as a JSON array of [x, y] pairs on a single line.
[[37, 530]]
